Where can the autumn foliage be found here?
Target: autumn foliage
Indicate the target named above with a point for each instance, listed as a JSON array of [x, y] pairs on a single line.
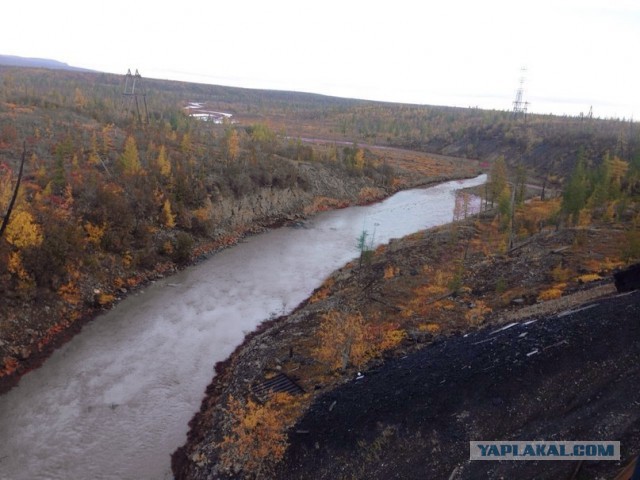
[[258, 433], [349, 340]]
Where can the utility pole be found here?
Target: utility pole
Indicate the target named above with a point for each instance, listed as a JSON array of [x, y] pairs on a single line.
[[519, 105], [135, 97]]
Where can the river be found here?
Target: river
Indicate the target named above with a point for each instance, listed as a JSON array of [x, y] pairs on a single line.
[[115, 401]]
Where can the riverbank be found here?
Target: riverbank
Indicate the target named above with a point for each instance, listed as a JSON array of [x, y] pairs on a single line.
[[22, 354], [122, 393], [46, 325], [426, 287]]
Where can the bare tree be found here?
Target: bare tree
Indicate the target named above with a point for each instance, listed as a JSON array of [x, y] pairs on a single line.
[[5, 220]]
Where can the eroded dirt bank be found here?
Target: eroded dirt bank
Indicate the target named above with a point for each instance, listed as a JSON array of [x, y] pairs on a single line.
[[32, 331]]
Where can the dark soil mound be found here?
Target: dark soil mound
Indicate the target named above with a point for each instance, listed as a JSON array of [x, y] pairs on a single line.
[[628, 279], [572, 376]]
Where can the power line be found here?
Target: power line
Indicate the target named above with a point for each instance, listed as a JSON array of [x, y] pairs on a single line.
[[135, 97], [519, 105]]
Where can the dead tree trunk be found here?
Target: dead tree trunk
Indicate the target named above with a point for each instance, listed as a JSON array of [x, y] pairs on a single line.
[[5, 220]]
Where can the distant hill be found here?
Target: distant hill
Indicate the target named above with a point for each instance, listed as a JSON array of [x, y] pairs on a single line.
[[14, 61]]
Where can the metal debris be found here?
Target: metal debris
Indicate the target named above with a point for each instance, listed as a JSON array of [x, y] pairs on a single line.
[[504, 328], [277, 384]]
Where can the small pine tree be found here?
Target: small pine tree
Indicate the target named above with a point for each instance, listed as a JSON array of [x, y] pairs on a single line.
[[358, 159], [575, 193], [162, 162], [365, 248], [232, 144], [130, 159], [79, 100], [497, 179], [167, 217]]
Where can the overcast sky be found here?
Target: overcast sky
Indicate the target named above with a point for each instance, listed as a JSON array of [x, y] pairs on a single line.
[[578, 53]]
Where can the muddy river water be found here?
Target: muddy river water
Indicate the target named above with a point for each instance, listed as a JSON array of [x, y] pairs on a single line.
[[115, 402]]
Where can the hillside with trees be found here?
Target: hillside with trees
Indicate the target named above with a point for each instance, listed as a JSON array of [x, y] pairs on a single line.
[[106, 202], [109, 200]]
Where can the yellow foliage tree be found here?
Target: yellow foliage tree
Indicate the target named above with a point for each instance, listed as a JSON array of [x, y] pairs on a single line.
[[162, 162], [347, 339], [462, 207], [70, 291], [618, 169], [392, 338], [358, 159], [94, 141], [23, 231], [6, 188], [79, 100], [167, 217], [93, 159], [497, 182], [390, 271], [342, 340], [533, 215], [425, 296], [552, 293], [205, 212], [107, 138], [258, 436], [232, 144], [130, 160], [94, 232], [185, 144], [65, 210], [15, 266]]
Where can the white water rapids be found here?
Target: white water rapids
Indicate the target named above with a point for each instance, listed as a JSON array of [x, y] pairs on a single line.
[[114, 402]]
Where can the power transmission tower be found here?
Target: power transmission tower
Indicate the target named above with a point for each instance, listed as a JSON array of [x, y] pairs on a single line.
[[135, 97], [519, 105]]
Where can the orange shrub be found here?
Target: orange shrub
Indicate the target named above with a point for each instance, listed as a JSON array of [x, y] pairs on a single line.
[[589, 277], [551, 293], [476, 315], [258, 436], [10, 366], [390, 271], [347, 339], [429, 327], [322, 292]]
